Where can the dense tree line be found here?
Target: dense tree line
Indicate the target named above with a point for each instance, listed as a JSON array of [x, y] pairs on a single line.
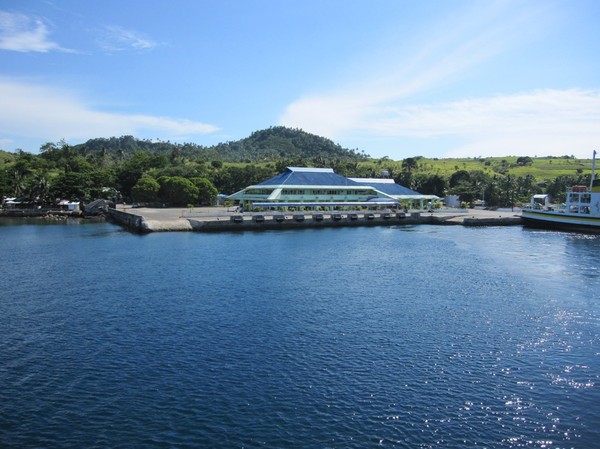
[[163, 173], [497, 189], [270, 144]]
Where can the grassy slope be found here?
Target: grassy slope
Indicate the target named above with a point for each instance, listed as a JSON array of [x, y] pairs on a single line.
[[6, 157], [542, 167]]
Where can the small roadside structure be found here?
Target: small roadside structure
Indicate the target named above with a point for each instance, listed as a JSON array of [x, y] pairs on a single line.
[[10, 203], [540, 201], [71, 206]]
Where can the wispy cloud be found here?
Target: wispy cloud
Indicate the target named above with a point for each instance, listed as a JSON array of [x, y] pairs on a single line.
[[405, 69], [116, 39], [388, 101], [548, 122], [22, 33], [35, 111]]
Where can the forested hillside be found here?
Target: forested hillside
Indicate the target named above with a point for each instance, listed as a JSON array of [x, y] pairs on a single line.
[[272, 144], [157, 172]]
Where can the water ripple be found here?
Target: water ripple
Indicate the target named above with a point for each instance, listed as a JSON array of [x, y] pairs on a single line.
[[434, 338]]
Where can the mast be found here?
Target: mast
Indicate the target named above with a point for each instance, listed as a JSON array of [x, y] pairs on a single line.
[[593, 170]]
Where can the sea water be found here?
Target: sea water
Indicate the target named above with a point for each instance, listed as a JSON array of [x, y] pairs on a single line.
[[398, 337]]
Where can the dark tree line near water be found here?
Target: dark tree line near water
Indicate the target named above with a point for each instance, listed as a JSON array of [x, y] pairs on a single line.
[[158, 172]]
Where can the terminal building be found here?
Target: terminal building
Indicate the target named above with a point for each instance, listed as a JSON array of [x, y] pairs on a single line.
[[302, 188]]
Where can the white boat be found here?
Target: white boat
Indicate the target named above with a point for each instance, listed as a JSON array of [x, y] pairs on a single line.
[[580, 213]]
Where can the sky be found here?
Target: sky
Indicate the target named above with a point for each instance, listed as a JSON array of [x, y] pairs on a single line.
[[392, 78]]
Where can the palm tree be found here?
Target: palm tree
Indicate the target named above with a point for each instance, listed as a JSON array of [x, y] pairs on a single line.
[[409, 164], [18, 183], [40, 187]]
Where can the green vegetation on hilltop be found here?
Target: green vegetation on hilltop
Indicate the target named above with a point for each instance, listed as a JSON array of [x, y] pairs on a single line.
[[6, 157], [272, 144], [180, 174]]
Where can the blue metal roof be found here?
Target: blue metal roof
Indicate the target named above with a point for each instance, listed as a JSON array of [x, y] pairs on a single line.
[[298, 176], [304, 176], [393, 189]]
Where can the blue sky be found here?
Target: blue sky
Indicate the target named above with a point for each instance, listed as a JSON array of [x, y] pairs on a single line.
[[395, 78]]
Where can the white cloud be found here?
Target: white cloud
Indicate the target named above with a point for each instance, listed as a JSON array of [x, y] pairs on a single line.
[[453, 46], [543, 122], [549, 122], [385, 103], [116, 39], [22, 33], [31, 111]]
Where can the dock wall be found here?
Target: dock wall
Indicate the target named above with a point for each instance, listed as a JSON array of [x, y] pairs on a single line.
[[505, 221], [256, 222], [131, 221], [299, 221]]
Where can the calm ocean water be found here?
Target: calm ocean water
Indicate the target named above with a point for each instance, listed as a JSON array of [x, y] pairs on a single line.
[[407, 337]]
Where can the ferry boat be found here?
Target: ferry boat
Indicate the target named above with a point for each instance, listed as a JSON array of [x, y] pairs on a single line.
[[580, 213]]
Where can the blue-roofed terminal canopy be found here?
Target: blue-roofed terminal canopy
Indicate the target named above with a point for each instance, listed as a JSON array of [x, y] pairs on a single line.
[[306, 176], [322, 187]]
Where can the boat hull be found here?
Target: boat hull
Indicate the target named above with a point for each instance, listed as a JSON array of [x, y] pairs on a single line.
[[550, 220]]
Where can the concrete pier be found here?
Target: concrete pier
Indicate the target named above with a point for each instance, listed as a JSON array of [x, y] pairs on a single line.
[[219, 219]]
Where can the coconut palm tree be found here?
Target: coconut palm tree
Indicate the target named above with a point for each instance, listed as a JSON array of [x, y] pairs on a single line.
[[40, 187], [17, 183]]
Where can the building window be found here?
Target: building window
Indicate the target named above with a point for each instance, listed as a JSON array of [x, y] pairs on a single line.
[[258, 191]]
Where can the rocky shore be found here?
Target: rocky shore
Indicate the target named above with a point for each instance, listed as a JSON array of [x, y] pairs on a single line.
[[40, 213]]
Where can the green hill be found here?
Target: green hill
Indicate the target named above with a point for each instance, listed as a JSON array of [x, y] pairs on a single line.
[[87, 170], [270, 144]]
